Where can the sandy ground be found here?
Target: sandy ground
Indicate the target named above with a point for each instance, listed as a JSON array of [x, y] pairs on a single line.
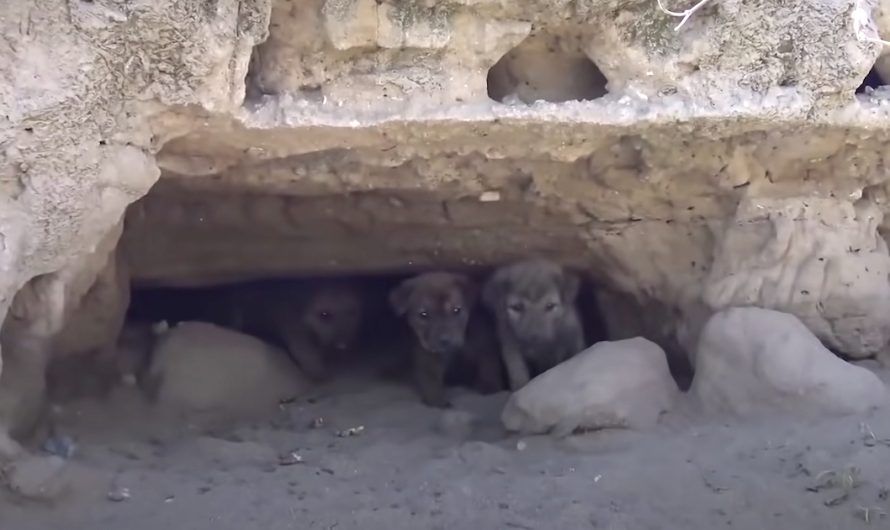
[[412, 467]]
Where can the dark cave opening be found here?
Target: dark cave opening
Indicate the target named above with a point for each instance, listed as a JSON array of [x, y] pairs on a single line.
[[871, 82], [548, 68], [383, 341]]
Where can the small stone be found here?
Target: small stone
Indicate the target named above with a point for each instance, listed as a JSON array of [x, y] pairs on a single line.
[[118, 494], [352, 431], [317, 423], [521, 445], [60, 445], [490, 196], [290, 459]]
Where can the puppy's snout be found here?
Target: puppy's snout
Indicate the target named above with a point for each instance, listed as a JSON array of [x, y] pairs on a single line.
[[448, 343], [535, 334]]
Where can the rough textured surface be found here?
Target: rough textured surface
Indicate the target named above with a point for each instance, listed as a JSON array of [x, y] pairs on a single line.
[[213, 374], [38, 478], [754, 361], [83, 90], [403, 471], [611, 384]]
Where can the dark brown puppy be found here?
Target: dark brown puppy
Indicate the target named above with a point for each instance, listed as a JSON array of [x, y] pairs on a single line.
[[313, 320], [537, 320], [450, 331]]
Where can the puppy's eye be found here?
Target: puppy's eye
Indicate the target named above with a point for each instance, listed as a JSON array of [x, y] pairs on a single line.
[[550, 306], [456, 310], [423, 314], [516, 308], [324, 315]]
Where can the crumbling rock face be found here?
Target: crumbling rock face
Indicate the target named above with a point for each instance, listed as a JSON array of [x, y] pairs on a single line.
[[820, 259], [685, 170], [83, 91]]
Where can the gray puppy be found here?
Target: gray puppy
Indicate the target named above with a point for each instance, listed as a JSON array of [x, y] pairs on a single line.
[[537, 319]]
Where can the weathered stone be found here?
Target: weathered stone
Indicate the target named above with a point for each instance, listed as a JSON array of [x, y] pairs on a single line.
[[819, 259], [611, 384], [214, 374], [38, 478], [754, 362], [85, 89]]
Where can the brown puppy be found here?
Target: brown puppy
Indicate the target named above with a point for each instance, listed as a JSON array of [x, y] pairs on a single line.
[[537, 320], [449, 332], [312, 320]]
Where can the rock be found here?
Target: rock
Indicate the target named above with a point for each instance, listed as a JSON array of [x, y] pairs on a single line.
[[611, 384], [754, 361], [820, 259], [118, 494], [38, 477], [60, 445], [207, 371]]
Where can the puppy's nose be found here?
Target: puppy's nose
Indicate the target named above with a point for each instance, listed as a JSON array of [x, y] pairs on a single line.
[[448, 343]]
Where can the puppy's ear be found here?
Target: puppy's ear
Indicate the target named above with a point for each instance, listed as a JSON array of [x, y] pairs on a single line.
[[401, 296], [468, 288], [493, 290], [569, 285]]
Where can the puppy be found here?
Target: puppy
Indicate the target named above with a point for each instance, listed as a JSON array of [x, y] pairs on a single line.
[[450, 333], [313, 320], [537, 320]]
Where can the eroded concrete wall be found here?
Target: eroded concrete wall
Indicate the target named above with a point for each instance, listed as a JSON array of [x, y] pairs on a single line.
[[83, 93]]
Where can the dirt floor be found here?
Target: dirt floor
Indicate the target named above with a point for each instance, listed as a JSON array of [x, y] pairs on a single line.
[[412, 467]]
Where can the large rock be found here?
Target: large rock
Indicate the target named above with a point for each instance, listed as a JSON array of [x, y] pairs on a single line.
[[820, 259], [754, 361], [611, 384], [207, 372], [38, 478]]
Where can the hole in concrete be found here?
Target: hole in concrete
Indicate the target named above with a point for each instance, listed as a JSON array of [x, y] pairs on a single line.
[[254, 87], [546, 67], [871, 82]]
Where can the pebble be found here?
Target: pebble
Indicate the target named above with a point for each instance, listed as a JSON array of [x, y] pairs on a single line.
[[352, 431], [118, 494], [60, 445], [290, 459]]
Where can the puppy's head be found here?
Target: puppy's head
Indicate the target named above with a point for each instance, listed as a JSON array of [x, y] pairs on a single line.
[[333, 314], [437, 306], [533, 298]]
